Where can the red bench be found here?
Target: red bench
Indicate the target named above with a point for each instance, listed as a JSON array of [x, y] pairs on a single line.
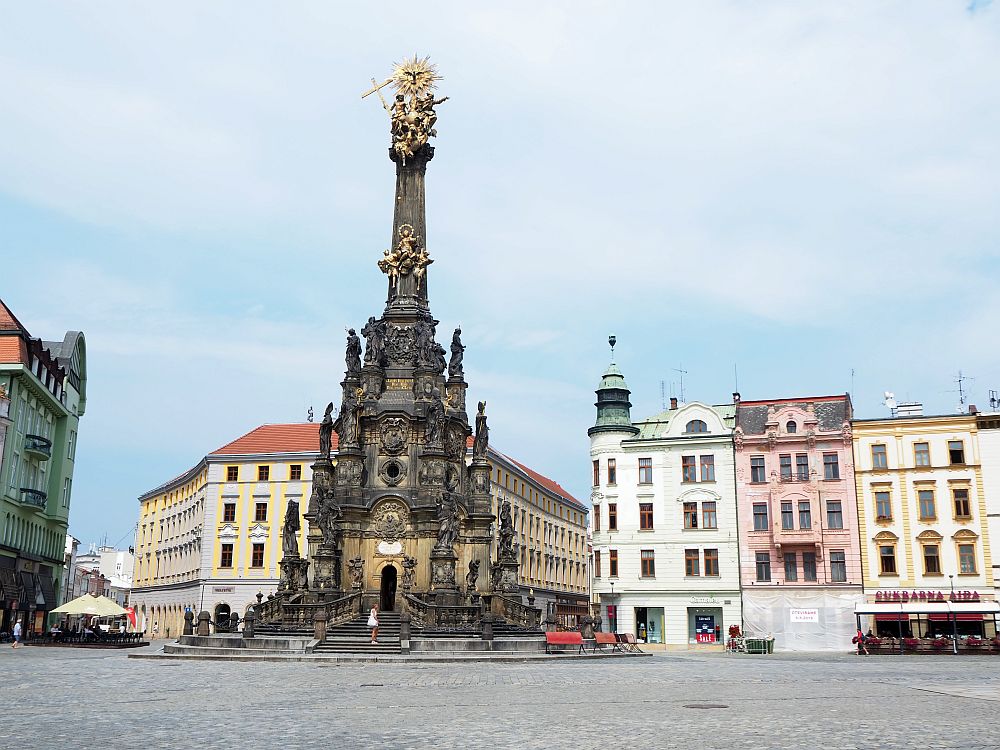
[[566, 638], [626, 642], [605, 639]]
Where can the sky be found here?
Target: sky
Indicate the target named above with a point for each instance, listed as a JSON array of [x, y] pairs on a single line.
[[798, 196]]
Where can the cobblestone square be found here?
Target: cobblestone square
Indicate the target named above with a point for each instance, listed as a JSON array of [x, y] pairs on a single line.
[[79, 698]]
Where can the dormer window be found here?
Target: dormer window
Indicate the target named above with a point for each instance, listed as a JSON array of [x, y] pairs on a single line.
[[790, 426], [696, 425]]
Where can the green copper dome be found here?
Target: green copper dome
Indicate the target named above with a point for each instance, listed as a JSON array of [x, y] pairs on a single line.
[[613, 406]]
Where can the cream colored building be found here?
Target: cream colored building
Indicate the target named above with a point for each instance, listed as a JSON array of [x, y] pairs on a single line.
[[922, 510], [210, 539]]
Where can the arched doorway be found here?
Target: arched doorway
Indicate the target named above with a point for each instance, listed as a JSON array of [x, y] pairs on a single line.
[[222, 614], [387, 600]]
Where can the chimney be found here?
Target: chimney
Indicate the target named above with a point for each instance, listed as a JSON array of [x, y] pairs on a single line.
[[973, 409], [736, 397], [673, 402]]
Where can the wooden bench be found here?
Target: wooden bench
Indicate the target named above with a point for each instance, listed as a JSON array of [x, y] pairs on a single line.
[[606, 639], [566, 638], [626, 642]]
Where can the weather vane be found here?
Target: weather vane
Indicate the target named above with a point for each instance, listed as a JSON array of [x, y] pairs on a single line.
[[411, 114]]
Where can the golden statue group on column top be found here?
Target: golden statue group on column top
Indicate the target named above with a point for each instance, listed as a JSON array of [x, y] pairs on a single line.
[[411, 115]]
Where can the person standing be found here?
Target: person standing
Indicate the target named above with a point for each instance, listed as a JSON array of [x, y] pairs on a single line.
[[17, 634], [373, 622]]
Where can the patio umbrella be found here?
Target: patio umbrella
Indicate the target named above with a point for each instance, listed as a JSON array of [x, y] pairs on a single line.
[[88, 604]]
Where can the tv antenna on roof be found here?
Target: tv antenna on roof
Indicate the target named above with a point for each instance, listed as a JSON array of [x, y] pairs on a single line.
[[683, 372], [962, 395]]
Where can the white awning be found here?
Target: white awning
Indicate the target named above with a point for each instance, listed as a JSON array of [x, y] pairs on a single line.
[[905, 609]]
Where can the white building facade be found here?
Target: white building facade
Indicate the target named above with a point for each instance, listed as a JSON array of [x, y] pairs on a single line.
[[665, 543]]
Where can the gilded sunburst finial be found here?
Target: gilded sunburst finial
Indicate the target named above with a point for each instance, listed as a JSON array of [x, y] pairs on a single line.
[[415, 76]]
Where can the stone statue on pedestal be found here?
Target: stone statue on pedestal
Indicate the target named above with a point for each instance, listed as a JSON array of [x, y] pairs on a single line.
[[409, 572], [326, 432], [289, 533], [374, 333], [353, 355], [455, 368], [447, 522], [328, 518], [482, 439], [349, 416], [472, 576], [506, 547], [435, 420]]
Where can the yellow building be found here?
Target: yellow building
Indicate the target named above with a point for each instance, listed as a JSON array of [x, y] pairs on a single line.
[[210, 539], [923, 521]]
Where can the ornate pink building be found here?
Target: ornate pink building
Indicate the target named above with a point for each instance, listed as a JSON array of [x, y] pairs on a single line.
[[800, 559]]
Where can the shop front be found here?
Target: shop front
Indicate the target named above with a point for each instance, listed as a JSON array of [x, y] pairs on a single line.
[[930, 625], [649, 624], [704, 625]]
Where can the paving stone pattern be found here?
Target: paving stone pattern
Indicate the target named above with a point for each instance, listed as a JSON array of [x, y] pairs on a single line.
[[75, 698]]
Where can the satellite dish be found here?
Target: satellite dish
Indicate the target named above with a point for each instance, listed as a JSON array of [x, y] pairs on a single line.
[[890, 400]]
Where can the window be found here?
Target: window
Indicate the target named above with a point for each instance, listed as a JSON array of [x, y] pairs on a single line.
[[71, 448], [689, 473], [834, 514], [612, 471], [257, 555], [838, 566], [226, 557], [712, 562], [883, 507], [956, 452], [295, 472], [260, 512], [597, 563], [808, 566], [802, 467], [764, 566], [597, 518], [690, 515], [785, 462], [263, 473], [645, 471], [708, 468], [612, 516], [926, 500], [967, 559], [887, 559], [229, 513], [932, 559], [831, 466], [597, 472], [791, 427], [760, 517], [696, 425], [787, 515], [646, 516], [757, 473], [879, 458], [709, 516], [647, 564], [805, 515], [791, 567], [232, 473], [960, 496], [922, 454], [691, 562], [613, 563]]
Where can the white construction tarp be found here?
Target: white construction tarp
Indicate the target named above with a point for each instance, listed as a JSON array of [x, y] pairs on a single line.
[[802, 620]]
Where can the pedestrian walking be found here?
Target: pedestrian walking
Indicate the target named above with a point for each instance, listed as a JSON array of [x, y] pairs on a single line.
[[373, 622], [859, 638], [17, 634]]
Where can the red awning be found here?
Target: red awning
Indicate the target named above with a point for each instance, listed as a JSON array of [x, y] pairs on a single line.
[[960, 616]]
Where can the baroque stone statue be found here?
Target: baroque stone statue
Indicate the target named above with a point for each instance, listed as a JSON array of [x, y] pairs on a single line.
[[482, 439], [353, 356], [326, 432], [357, 569], [455, 369], [409, 572], [328, 518], [350, 412], [289, 532], [506, 547], [447, 522], [472, 576], [438, 361], [374, 333], [435, 420], [423, 337], [496, 574]]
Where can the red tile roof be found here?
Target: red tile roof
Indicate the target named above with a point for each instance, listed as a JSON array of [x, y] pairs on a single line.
[[8, 322], [549, 484], [301, 437]]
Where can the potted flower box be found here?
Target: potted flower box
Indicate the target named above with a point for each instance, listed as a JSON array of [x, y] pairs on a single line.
[[911, 644], [973, 644], [940, 644]]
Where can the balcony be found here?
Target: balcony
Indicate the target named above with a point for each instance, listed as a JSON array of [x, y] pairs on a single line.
[[36, 498], [38, 447], [797, 536]]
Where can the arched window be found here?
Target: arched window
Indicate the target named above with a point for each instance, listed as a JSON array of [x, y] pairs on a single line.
[[696, 425], [791, 426]]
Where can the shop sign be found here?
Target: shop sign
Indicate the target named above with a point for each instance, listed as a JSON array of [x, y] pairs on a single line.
[[926, 596], [804, 615], [704, 628], [223, 589], [704, 600]]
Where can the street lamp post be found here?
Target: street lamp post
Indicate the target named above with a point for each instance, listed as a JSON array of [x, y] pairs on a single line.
[[954, 617]]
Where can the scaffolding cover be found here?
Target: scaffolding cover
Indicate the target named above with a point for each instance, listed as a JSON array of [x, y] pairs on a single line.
[[802, 620]]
